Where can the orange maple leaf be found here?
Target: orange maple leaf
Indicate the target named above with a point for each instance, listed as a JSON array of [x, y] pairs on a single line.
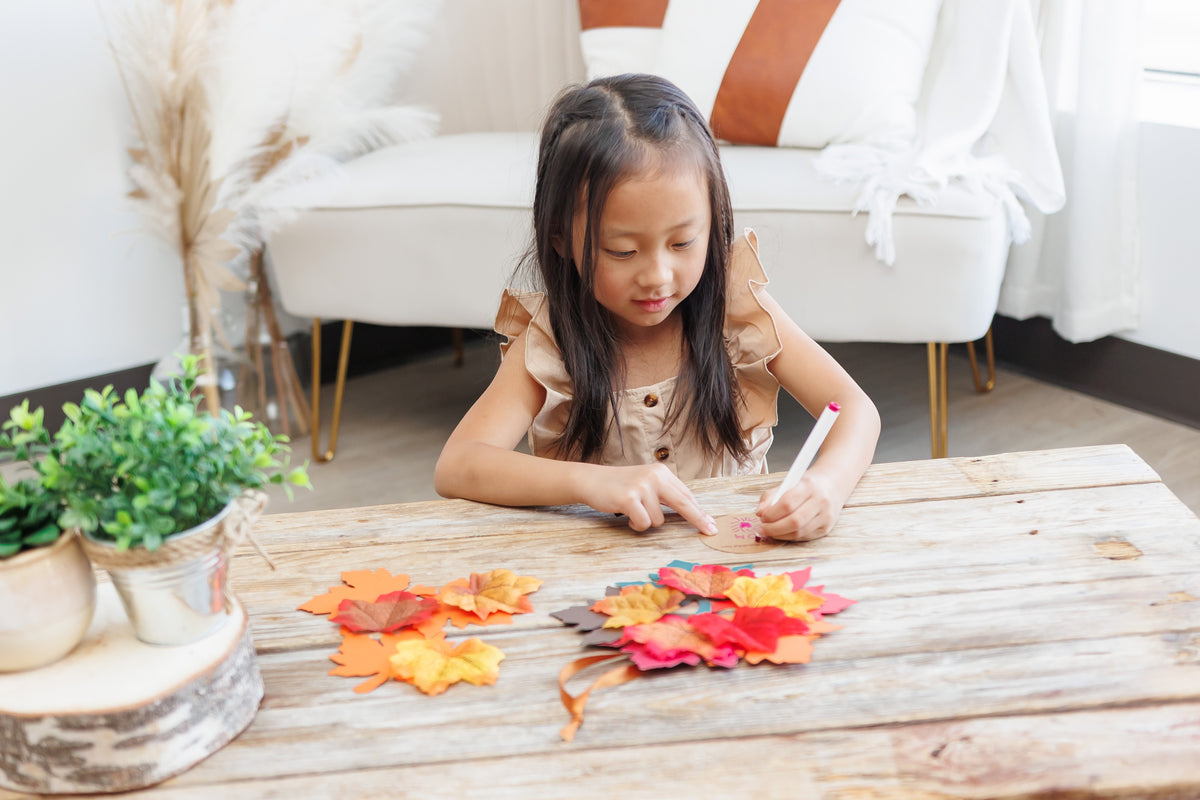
[[638, 604], [433, 665], [460, 619], [788, 650], [486, 593], [361, 655], [362, 584]]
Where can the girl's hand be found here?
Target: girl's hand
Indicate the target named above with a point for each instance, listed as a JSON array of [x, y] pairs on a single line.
[[640, 492], [807, 511]]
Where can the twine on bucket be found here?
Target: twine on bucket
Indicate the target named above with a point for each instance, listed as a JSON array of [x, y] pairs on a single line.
[[232, 527]]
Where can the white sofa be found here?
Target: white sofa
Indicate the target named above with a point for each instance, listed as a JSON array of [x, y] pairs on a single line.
[[427, 233]]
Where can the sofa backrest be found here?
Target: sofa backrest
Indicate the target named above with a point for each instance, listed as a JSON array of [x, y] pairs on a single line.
[[495, 65]]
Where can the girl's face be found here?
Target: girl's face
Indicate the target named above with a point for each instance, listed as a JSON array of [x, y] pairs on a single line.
[[651, 244]]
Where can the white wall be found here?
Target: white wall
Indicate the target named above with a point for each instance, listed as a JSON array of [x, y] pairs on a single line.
[[84, 292], [1170, 175]]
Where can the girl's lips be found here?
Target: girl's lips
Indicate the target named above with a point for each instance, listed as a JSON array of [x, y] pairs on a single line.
[[651, 306]]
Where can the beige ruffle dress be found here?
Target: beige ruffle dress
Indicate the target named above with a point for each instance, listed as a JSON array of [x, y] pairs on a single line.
[[751, 339]]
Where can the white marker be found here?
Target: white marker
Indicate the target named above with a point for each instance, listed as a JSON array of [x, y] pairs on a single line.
[[808, 452]]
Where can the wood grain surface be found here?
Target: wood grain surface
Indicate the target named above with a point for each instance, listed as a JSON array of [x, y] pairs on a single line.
[[1027, 625]]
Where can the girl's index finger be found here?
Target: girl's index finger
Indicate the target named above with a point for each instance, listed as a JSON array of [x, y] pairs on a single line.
[[684, 503]]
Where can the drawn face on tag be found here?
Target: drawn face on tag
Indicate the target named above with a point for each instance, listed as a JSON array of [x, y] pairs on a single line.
[[739, 533]]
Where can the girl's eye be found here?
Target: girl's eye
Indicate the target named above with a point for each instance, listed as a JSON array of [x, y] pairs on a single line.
[[684, 245], [620, 253]]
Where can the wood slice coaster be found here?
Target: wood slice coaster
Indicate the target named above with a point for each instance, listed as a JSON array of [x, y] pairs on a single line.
[[119, 714]]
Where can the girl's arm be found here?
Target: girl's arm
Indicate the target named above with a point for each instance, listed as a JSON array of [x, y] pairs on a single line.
[[479, 462], [815, 379]]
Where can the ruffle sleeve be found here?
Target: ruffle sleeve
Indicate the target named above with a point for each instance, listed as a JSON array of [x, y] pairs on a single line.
[[751, 336], [527, 314]]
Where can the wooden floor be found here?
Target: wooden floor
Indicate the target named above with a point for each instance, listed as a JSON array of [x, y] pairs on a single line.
[[395, 421]]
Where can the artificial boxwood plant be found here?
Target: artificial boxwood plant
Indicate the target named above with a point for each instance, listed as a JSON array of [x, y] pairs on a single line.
[[139, 469], [29, 507]]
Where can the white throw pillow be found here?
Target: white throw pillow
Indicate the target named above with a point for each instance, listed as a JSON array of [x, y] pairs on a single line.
[[801, 73]]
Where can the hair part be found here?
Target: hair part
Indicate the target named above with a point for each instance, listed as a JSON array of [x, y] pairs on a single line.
[[595, 136]]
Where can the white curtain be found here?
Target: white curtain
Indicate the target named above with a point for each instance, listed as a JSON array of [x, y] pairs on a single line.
[[1082, 266]]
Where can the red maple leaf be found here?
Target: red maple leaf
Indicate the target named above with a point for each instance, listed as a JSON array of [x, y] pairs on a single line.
[[755, 629], [387, 613], [669, 642]]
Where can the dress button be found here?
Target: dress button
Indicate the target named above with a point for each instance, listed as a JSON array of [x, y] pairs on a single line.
[[651, 400], [662, 453]]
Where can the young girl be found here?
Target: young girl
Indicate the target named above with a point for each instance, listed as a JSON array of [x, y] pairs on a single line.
[[655, 355]]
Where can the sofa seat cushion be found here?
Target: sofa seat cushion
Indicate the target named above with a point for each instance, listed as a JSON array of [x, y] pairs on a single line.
[[497, 170], [428, 233]]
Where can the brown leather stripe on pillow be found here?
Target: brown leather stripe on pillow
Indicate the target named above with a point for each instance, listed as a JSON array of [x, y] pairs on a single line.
[[621, 13], [765, 68]]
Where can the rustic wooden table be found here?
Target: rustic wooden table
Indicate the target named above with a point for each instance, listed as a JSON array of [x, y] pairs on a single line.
[[1027, 624]]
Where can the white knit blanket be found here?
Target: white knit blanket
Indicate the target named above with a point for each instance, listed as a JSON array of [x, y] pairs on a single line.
[[983, 120]]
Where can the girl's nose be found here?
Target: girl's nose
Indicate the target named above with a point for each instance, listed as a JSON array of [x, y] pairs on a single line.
[[656, 270]]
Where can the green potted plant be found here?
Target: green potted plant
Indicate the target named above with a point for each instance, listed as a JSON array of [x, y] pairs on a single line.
[[47, 588], [163, 491]]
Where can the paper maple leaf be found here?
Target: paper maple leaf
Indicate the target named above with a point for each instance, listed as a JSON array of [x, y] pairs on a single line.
[[361, 584], [671, 641], [433, 665], [361, 655], [638, 604], [788, 650], [832, 603], [774, 590], [389, 612], [489, 592], [751, 629], [709, 580]]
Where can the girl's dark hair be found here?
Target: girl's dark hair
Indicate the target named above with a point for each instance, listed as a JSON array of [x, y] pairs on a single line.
[[596, 135]]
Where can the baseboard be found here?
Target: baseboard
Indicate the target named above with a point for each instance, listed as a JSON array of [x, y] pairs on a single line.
[[373, 347], [51, 398], [1133, 375]]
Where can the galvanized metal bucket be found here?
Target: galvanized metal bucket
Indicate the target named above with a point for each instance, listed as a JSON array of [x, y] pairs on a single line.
[[184, 595], [177, 603]]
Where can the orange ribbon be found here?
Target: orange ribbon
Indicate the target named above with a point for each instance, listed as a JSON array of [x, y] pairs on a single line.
[[575, 704]]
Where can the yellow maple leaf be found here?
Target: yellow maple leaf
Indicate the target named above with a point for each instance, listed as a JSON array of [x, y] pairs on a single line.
[[488, 592], [638, 604], [773, 590], [432, 665]]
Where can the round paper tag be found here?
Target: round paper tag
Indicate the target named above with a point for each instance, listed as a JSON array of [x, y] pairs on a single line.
[[739, 533]]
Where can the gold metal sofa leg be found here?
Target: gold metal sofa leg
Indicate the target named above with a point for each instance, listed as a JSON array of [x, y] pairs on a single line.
[[983, 387], [343, 361], [939, 411]]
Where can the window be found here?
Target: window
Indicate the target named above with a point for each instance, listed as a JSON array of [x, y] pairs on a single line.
[[1171, 57], [1171, 38]]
